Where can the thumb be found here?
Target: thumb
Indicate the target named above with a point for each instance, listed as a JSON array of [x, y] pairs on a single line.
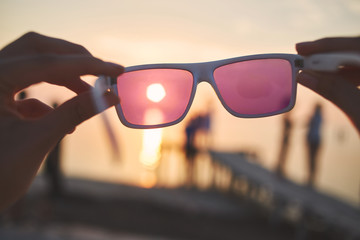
[[331, 86], [335, 88], [66, 117]]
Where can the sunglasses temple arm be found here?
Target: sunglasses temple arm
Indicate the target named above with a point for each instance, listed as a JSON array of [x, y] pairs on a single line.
[[101, 86], [331, 62]]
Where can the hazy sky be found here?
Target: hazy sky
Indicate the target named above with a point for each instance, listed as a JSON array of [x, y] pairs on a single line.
[[136, 31], [141, 31]]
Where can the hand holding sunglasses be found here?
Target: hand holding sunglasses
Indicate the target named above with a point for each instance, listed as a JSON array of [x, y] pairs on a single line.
[[340, 87], [160, 95], [29, 127]]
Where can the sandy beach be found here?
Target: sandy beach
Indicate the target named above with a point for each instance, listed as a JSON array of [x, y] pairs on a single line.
[[100, 210]]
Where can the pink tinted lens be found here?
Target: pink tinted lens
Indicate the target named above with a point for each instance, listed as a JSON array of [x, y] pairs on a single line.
[[255, 87], [154, 96]]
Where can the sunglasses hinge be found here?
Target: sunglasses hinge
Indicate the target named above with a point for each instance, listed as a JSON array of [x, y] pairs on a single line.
[[299, 63], [113, 80]]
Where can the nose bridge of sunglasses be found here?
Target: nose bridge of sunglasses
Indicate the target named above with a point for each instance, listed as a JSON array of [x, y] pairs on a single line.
[[203, 73]]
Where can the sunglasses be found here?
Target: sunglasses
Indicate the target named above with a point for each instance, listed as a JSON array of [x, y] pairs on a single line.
[[160, 95]]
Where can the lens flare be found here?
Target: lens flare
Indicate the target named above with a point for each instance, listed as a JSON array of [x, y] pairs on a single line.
[[152, 138], [150, 153], [155, 92]]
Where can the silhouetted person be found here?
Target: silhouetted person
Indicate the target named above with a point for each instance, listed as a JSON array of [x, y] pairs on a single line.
[[313, 142], [190, 148], [285, 142], [204, 121], [53, 169], [199, 124]]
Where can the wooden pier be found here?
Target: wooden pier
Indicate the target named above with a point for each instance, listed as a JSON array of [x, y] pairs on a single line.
[[284, 194]]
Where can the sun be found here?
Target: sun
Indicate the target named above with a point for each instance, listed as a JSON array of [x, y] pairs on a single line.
[[155, 92]]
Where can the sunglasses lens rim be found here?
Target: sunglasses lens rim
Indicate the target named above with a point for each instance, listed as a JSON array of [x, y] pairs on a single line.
[[206, 72], [188, 90], [224, 98]]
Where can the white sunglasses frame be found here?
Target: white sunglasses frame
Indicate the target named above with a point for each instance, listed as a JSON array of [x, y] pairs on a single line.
[[203, 72]]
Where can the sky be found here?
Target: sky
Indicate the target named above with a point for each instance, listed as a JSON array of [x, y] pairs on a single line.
[[145, 31], [133, 32]]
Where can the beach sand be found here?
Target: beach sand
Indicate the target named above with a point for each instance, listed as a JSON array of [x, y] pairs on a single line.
[[99, 210]]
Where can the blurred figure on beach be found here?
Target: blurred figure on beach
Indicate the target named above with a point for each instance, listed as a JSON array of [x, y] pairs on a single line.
[[313, 140], [285, 142], [197, 127], [190, 149], [52, 169]]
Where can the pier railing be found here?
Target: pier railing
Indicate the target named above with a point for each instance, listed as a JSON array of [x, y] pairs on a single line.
[[286, 199]]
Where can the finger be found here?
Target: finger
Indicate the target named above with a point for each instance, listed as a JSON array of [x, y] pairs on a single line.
[[351, 74], [329, 45], [75, 111], [32, 108], [334, 88], [78, 85], [19, 73], [34, 43]]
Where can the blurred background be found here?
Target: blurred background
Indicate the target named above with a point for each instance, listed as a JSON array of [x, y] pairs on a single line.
[[140, 32]]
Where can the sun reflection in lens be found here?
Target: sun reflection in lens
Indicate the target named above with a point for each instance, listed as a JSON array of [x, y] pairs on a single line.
[[150, 152], [151, 144], [155, 92], [151, 147]]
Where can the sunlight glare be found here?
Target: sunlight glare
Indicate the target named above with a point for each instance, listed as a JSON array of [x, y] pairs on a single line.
[[150, 153], [148, 179], [155, 92]]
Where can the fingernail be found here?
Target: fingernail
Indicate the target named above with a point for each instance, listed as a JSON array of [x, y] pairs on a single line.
[[307, 80]]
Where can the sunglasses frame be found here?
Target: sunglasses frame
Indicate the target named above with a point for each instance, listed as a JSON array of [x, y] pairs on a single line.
[[204, 72]]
